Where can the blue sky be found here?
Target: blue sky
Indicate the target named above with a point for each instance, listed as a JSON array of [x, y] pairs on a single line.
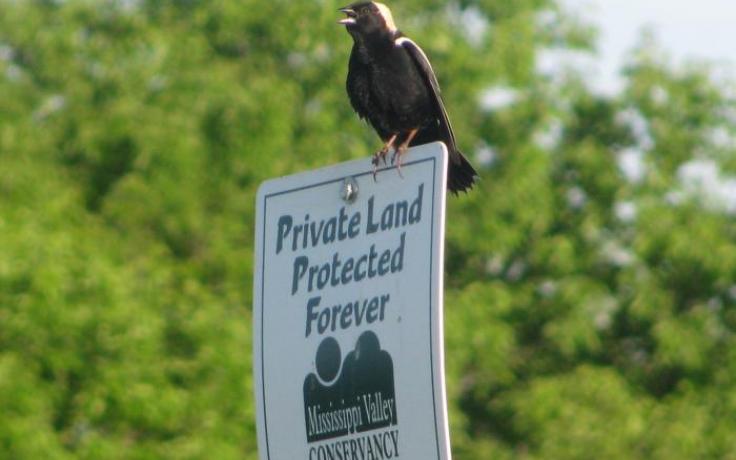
[[685, 29]]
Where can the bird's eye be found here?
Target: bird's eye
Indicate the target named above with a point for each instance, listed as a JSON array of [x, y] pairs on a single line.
[[365, 10]]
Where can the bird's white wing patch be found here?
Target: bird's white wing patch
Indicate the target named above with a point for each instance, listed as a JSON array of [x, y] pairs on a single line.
[[409, 43], [404, 41]]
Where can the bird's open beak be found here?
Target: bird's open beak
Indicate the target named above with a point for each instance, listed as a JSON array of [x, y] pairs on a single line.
[[351, 15]]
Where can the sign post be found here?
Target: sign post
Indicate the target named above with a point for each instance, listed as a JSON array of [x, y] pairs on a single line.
[[348, 345]]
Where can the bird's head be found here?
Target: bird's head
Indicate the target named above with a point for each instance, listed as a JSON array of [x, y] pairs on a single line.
[[366, 18]]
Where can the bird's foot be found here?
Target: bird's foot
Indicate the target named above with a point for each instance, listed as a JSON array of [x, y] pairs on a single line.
[[401, 150], [377, 158], [396, 157], [381, 155]]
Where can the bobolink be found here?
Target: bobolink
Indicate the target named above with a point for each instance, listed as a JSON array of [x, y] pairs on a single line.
[[391, 84]]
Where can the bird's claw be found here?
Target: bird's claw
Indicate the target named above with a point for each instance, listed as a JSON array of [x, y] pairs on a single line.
[[376, 161], [396, 159]]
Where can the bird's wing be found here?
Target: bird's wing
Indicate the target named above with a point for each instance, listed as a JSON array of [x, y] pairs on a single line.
[[425, 69]]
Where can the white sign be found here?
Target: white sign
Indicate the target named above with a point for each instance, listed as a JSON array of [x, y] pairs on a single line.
[[348, 347]]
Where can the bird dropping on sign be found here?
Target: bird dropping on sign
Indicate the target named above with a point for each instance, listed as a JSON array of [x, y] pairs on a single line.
[[348, 342]]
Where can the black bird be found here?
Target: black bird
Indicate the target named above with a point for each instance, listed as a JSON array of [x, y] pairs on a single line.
[[391, 84]]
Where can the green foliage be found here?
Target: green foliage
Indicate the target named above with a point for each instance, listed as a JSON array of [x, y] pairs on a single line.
[[589, 313]]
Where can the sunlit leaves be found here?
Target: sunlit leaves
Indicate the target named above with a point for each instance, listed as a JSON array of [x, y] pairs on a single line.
[[590, 279]]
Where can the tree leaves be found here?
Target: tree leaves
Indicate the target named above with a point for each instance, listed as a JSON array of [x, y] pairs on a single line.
[[590, 293]]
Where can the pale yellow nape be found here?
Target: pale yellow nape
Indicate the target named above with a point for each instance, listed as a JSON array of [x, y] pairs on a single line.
[[386, 14]]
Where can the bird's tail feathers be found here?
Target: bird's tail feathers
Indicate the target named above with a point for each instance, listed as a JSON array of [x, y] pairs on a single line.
[[460, 173]]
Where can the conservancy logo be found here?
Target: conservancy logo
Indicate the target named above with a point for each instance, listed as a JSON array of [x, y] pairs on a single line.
[[351, 397]]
